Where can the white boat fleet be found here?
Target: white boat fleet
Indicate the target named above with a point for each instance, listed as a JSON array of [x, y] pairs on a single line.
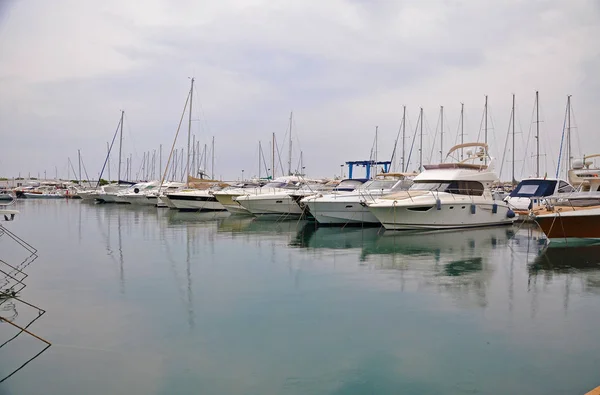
[[452, 194]]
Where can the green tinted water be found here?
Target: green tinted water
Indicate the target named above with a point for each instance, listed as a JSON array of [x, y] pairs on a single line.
[[151, 301]]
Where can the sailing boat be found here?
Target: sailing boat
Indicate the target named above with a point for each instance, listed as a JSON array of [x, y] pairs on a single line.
[[197, 195], [108, 193], [531, 193]]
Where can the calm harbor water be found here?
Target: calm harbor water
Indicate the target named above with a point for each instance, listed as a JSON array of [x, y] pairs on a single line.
[[152, 301]]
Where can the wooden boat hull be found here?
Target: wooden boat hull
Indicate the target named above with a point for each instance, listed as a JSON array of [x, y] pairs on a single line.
[[570, 224]]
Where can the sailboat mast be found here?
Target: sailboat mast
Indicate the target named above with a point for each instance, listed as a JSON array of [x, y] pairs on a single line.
[[290, 149], [441, 134], [569, 155], [537, 134], [403, 138], [160, 160], [462, 128], [273, 158], [421, 143], [259, 152], [513, 140], [79, 158], [486, 125], [187, 165], [108, 153], [205, 159], [120, 147], [212, 166], [376, 132]]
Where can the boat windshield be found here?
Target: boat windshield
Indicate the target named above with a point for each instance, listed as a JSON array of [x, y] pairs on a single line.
[[375, 185], [471, 188], [274, 185], [429, 186], [534, 188], [349, 185]]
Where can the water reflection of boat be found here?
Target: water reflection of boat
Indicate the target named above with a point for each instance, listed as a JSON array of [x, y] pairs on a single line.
[[178, 217], [313, 237], [567, 259], [568, 263], [236, 224], [448, 242]]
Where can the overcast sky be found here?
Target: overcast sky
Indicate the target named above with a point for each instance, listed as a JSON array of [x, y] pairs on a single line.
[[67, 68]]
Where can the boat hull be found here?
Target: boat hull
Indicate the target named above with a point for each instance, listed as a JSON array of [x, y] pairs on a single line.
[[137, 200], [340, 212], [166, 201], [227, 200], [271, 205], [447, 216], [42, 196], [195, 203], [571, 225]]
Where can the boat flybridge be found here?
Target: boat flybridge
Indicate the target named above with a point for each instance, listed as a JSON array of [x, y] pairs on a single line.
[[349, 207], [582, 173], [447, 195]]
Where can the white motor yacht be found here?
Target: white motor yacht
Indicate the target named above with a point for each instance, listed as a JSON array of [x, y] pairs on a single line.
[[195, 200], [158, 197], [108, 193], [137, 193], [228, 197], [341, 208], [447, 195], [281, 203]]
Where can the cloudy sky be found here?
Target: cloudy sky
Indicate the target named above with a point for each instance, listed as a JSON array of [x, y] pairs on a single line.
[[67, 68]]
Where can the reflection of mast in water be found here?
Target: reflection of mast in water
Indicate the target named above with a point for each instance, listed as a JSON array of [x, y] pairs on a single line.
[[190, 298], [79, 223], [569, 264], [121, 266], [109, 251]]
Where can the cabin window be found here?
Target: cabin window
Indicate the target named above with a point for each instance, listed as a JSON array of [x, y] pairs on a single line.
[[471, 188]]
